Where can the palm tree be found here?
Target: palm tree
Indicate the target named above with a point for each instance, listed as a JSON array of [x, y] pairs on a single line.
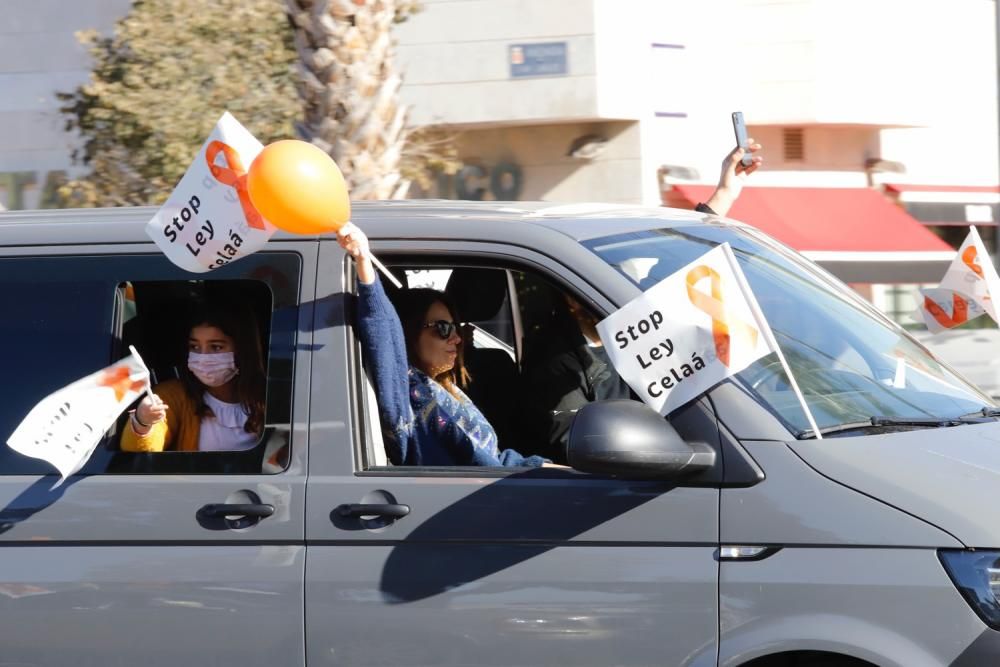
[[350, 89]]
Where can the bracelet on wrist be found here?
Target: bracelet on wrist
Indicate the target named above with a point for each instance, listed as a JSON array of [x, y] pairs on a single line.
[[136, 419]]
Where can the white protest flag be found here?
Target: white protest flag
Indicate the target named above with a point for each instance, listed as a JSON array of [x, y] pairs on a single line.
[[966, 291], [943, 309], [66, 426], [209, 221], [689, 332]]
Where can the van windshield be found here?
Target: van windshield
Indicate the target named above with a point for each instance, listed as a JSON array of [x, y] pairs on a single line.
[[851, 362]]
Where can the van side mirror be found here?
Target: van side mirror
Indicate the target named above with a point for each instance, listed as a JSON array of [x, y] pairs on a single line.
[[627, 438]]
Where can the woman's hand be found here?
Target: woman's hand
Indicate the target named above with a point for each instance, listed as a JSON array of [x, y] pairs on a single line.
[[732, 179], [149, 411], [355, 243]]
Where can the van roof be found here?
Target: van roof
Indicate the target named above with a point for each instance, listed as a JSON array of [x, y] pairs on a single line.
[[380, 219]]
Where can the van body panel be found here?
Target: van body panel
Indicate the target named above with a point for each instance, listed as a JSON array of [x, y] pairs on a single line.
[[483, 221], [131, 571], [891, 607], [540, 604], [504, 509], [744, 417], [156, 606], [825, 511], [499, 566], [949, 477], [489, 566], [157, 509], [333, 403]]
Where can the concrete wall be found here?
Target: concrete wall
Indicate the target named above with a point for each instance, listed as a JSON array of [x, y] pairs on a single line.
[[40, 55], [456, 61], [953, 65], [627, 60], [887, 64], [847, 71], [670, 70], [837, 61]]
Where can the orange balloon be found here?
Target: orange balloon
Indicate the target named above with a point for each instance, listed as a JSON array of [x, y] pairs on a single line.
[[297, 187]]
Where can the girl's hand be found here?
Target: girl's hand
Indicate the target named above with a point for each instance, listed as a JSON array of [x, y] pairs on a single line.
[[149, 411]]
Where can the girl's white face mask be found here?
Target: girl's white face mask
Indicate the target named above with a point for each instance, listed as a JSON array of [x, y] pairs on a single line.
[[212, 370]]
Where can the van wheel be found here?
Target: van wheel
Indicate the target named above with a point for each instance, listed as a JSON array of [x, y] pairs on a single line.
[[808, 659]]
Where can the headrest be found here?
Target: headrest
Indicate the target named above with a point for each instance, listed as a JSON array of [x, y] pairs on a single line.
[[477, 293]]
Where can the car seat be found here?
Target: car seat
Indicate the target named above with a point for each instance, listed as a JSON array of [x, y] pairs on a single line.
[[479, 295], [549, 331]]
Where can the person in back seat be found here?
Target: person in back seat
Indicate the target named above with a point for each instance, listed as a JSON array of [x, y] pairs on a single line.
[[218, 402], [573, 368], [415, 361]]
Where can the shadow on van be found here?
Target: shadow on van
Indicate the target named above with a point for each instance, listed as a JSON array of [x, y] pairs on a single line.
[[495, 535], [32, 500]]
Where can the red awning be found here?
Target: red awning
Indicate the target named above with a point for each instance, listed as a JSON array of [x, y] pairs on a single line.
[[824, 219]]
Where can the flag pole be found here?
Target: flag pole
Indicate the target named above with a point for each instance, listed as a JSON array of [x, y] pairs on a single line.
[[386, 272], [769, 335], [135, 353]]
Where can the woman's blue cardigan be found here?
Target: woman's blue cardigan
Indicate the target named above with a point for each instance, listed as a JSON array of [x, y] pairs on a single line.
[[422, 423]]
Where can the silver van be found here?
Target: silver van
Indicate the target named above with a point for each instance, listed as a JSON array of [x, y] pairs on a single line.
[[727, 534]]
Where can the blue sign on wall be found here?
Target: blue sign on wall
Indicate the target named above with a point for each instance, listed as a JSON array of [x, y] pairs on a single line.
[[547, 59]]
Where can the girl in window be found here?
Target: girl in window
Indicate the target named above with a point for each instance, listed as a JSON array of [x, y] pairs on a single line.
[[217, 404]]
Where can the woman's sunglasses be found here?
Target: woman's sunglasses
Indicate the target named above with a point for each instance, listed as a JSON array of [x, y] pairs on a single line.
[[442, 328]]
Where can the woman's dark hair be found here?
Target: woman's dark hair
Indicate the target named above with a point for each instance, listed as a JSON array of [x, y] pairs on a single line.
[[238, 323], [412, 306]]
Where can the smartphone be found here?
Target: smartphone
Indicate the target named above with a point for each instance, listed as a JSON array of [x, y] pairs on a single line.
[[740, 128]]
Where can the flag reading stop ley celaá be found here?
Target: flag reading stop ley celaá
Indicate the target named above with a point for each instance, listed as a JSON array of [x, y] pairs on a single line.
[[66, 426], [209, 220], [687, 332], [967, 290]]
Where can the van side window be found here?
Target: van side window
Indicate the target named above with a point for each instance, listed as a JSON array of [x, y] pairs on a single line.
[[526, 351], [55, 330], [173, 319], [66, 317]]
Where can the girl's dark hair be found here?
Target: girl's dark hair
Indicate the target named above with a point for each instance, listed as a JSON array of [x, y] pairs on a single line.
[[238, 323], [412, 306]]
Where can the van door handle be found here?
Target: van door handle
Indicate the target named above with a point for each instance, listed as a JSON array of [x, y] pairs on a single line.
[[387, 510], [222, 510]]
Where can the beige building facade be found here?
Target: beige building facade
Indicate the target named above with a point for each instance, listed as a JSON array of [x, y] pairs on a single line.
[[842, 93], [582, 100]]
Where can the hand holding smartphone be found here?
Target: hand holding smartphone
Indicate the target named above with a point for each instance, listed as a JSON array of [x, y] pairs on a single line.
[[740, 128]]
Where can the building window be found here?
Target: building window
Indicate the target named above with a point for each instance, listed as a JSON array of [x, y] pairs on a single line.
[[793, 144]]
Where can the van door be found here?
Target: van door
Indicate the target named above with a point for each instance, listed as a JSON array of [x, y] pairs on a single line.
[[492, 566], [132, 561]]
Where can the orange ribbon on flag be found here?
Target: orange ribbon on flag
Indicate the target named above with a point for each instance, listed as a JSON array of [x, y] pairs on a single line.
[[969, 258], [235, 176], [724, 323], [118, 380], [959, 311]]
